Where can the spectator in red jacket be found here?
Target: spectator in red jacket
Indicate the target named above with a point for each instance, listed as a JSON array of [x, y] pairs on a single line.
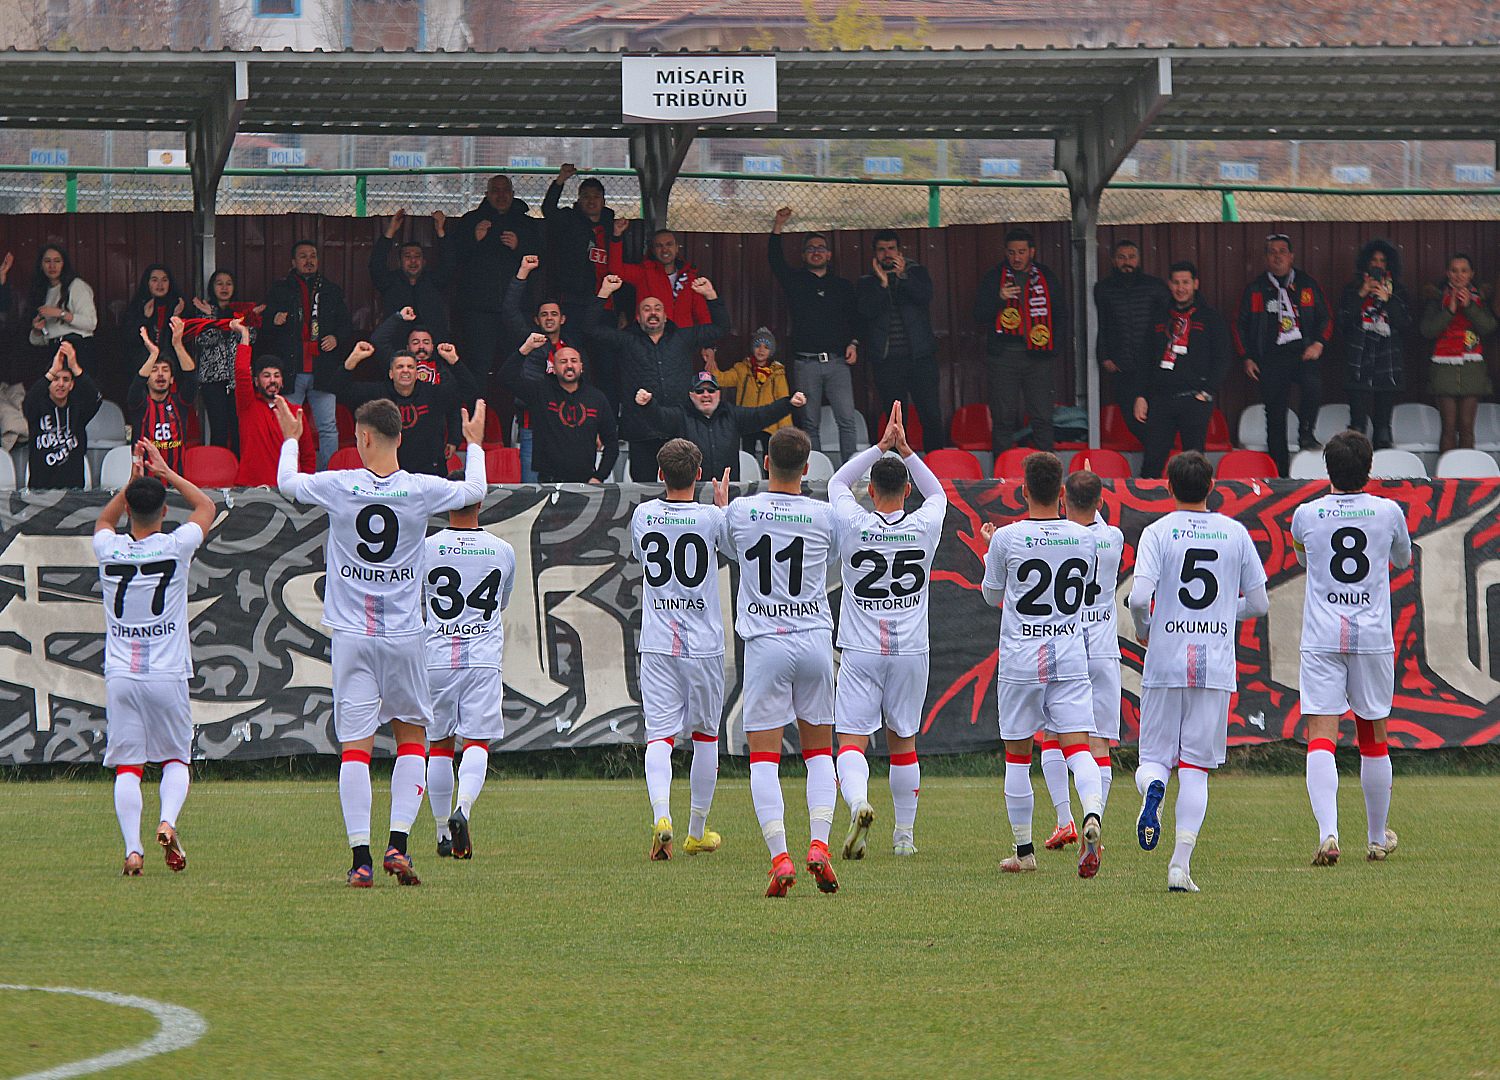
[[665, 275], [260, 432]]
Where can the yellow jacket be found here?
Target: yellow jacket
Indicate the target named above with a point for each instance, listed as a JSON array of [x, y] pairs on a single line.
[[752, 389]]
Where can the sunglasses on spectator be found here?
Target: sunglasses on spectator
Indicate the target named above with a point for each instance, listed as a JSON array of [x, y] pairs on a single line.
[[1279, 236]]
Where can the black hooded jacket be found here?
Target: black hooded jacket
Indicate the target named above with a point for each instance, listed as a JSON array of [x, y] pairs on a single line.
[[1129, 306], [1375, 360]]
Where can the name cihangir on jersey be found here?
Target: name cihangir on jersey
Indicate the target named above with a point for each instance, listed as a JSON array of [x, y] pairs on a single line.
[[782, 544], [1349, 542], [677, 545], [886, 567], [1045, 568], [1100, 624], [145, 586], [470, 574]]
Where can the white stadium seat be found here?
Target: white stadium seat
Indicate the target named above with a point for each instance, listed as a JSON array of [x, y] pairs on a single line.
[[1308, 465], [1416, 427], [819, 468], [749, 468], [1332, 419], [114, 473], [1397, 465], [1487, 427], [1464, 464], [1253, 428]]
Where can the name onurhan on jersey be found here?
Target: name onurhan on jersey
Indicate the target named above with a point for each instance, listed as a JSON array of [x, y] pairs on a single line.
[[775, 611]]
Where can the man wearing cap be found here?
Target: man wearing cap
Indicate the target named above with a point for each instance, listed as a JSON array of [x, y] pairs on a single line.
[[712, 425], [758, 380]]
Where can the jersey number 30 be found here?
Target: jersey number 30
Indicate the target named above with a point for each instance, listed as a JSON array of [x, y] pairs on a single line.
[[691, 548]]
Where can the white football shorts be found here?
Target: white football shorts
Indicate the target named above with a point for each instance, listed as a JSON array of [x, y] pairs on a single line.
[[376, 679], [788, 677], [681, 694], [1184, 724], [147, 720], [1334, 683], [1026, 708], [1104, 678], [872, 684], [467, 702]]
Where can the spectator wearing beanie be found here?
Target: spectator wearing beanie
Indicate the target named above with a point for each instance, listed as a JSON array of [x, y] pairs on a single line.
[[758, 380]]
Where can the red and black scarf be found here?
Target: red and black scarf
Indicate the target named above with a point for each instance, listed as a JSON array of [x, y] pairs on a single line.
[[1459, 342], [1177, 336], [1029, 315]]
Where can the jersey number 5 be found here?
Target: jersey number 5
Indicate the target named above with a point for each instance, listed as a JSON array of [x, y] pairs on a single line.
[[1191, 572]]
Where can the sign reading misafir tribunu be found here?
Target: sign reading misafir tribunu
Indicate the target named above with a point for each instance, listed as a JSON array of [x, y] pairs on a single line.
[[685, 89]]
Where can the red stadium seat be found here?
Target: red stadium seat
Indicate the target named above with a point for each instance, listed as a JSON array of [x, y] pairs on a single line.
[[345, 420], [954, 465], [1010, 465], [1246, 465], [192, 428], [1109, 464], [972, 428], [345, 457], [909, 421], [503, 465], [494, 429], [1113, 434], [456, 461], [1217, 441], [210, 466]]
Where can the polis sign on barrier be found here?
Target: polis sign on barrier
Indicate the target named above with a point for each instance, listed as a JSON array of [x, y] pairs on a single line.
[[686, 89]]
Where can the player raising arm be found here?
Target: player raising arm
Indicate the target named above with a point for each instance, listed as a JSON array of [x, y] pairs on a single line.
[[372, 608], [1349, 541], [148, 659], [1203, 572]]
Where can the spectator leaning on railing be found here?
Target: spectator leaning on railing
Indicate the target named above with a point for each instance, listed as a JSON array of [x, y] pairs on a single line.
[[578, 242], [216, 349], [1130, 303], [1374, 312], [894, 301], [415, 282], [489, 242], [61, 307], [58, 408]]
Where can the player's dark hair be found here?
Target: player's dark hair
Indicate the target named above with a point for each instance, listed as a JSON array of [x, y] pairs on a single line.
[[380, 416], [1084, 489], [885, 235], [145, 498], [457, 476], [1044, 476], [679, 461], [266, 360], [1019, 233], [888, 476], [788, 451], [1348, 455], [1183, 264], [1191, 476]]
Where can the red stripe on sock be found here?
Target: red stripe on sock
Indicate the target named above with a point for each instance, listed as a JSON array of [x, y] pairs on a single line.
[[361, 757], [441, 751], [1017, 759], [1103, 762], [409, 748], [1379, 749], [170, 760], [484, 745], [1076, 748], [703, 736], [851, 748], [134, 770], [808, 755], [910, 758], [1189, 765], [1320, 744], [773, 757], [1051, 744], [670, 743]]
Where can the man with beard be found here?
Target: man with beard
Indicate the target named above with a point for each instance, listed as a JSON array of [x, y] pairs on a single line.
[[256, 388], [663, 274], [156, 408], [572, 421], [422, 344], [306, 320], [893, 303], [1130, 303]]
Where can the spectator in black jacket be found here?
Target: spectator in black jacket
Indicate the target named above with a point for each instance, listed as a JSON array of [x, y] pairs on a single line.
[[58, 408], [157, 301], [419, 342], [156, 409], [489, 242], [1374, 311], [1130, 304], [578, 239], [712, 425], [1023, 311], [572, 422], [1283, 325], [893, 303], [307, 324], [1193, 349], [656, 355], [414, 283]]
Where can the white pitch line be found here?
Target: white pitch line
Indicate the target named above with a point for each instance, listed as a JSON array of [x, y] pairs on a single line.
[[180, 1028]]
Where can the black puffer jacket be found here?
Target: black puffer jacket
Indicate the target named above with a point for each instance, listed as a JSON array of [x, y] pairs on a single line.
[[1129, 306], [571, 240], [1375, 360], [486, 266], [717, 436]]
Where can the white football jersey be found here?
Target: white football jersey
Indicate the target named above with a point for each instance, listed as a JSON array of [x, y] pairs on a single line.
[[470, 573], [1201, 562], [886, 568], [1349, 542], [145, 584], [1100, 626], [677, 543], [1044, 568], [377, 531], [783, 544]]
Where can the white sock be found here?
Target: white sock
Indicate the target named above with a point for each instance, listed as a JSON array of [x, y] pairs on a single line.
[[659, 778], [1323, 787], [1019, 798], [173, 790], [128, 807], [472, 768], [765, 795], [1192, 806], [822, 792], [440, 788], [1375, 780], [1106, 777], [354, 796], [1086, 779], [1148, 771], [408, 777], [1055, 773], [703, 777], [906, 782], [854, 776]]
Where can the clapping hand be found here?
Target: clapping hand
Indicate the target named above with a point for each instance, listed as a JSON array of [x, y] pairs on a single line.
[[152, 350], [888, 437]]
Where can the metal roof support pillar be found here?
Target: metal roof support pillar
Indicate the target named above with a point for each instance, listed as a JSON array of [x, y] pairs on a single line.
[[656, 153], [1088, 156], [210, 139]]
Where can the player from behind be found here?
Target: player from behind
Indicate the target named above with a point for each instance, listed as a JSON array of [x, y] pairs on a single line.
[[470, 573], [1038, 569], [372, 608], [681, 672], [885, 556], [1348, 541], [1204, 575], [148, 661], [783, 541]]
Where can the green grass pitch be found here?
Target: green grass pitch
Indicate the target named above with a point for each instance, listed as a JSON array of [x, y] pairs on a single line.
[[560, 951]]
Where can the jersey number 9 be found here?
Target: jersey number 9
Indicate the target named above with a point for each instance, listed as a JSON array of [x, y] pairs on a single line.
[[378, 530]]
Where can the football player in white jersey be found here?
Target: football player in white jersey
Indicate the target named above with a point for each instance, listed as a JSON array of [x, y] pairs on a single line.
[[470, 573], [1204, 574], [1038, 569], [783, 541], [1081, 497], [372, 607], [885, 556], [1348, 541], [681, 672], [148, 659]]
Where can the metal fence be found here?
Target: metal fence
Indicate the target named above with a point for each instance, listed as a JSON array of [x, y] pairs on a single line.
[[726, 202]]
